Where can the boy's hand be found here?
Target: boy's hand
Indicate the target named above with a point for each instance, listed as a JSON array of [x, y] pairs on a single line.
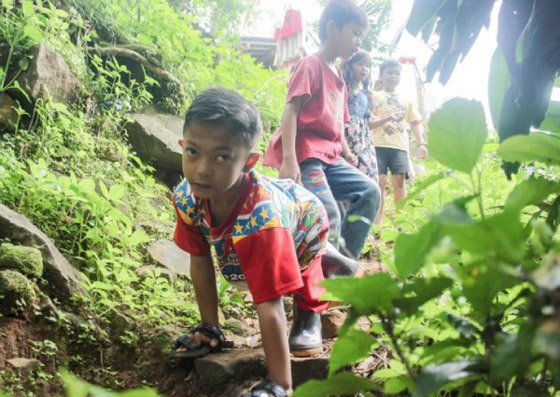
[[422, 152], [397, 116], [351, 159], [290, 170]]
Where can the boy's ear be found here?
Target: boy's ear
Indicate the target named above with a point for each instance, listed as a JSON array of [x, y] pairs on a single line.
[[251, 161], [181, 143]]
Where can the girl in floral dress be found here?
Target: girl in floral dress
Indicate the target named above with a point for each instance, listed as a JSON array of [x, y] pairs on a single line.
[[356, 74]]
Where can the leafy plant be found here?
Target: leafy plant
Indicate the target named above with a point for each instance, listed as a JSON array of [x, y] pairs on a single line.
[[523, 68], [474, 302]]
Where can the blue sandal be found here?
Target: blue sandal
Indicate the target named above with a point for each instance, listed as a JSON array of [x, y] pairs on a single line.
[[194, 350], [266, 388]]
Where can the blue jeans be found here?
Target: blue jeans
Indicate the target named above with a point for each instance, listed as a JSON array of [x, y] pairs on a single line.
[[344, 183]]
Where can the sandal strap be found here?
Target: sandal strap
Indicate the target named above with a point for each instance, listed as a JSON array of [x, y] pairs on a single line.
[[213, 332], [266, 388]]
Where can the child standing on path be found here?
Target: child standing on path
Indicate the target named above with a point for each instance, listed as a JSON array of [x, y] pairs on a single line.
[[391, 138], [310, 142], [356, 74], [268, 235]]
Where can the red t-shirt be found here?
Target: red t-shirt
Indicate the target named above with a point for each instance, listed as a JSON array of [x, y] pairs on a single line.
[[320, 121], [274, 237]]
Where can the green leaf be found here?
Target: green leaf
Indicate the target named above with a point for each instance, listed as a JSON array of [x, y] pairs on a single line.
[[423, 185], [482, 284], [530, 192], [33, 33], [411, 249], [536, 146], [349, 349], [435, 376], [511, 355], [339, 384], [116, 192], [138, 237], [27, 8], [456, 134], [501, 234], [498, 83], [423, 11], [422, 290], [466, 329], [397, 385], [552, 120], [358, 292]]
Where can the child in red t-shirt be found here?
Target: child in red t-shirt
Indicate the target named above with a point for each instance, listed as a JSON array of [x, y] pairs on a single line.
[[268, 235], [309, 146]]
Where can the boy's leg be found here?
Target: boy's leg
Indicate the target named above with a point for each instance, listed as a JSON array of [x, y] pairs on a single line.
[[314, 179], [399, 164], [399, 186], [382, 187], [305, 336], [347, 183], [381, 154]]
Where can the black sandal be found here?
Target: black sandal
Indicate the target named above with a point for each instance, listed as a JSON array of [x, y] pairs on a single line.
[[266, 388], [195, 350]]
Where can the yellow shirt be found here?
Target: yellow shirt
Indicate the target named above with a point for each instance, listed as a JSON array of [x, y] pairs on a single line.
[[387, 103]]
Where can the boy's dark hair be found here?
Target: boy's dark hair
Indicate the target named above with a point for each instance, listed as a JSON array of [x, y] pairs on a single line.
[[389, 63], [226, 109], [341, 12]]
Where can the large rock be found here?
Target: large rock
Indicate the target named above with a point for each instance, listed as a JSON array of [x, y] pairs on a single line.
[[48, 73], [26, 260], [155, 137], [63, 279], [168, 255], [16, 292], [8, 113], [233, 366]]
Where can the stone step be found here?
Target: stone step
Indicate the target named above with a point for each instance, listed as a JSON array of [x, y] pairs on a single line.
[[229, 372]]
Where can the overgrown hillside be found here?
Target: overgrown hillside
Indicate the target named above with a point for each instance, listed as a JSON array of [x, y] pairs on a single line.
[[66, 164]]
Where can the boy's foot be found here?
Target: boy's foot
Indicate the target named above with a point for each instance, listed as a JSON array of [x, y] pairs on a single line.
[[187, 347], [305, 336], [266, 388], [335, 264]]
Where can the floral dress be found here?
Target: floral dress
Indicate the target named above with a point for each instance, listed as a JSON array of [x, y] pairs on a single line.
[[358, 134]]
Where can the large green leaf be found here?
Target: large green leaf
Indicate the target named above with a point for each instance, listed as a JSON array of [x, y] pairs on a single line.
[[435, 376], [501, 235], [511, 355], [456, 134], [349, 349], [411, 249], [498, 83], [481, 284], [552, 120], [368, 294], [530, 192], [420, 291], [340, 384], [423, 11], [536, 146]]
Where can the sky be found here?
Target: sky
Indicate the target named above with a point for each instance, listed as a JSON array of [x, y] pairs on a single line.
[[469, 80]]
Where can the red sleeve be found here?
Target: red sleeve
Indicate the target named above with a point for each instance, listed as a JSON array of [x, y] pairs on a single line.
[[269, 262], [190, 238], [304, 80]]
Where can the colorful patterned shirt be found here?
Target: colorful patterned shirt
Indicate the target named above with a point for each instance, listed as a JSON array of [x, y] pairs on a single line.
[[273, 234]]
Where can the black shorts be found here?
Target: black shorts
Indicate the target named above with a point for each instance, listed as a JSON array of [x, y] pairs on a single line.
[[395, 160]]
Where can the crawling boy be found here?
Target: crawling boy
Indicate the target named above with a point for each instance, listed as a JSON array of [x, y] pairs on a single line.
[[269, 235]]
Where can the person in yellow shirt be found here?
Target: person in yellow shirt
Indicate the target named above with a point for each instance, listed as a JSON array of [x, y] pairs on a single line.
[[391, 114]]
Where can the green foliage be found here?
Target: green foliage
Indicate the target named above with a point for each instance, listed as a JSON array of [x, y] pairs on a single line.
[[473, 308], [523, 70], [76, 387]]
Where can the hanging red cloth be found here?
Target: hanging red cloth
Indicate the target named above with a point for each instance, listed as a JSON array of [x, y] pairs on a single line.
[[289, 40]]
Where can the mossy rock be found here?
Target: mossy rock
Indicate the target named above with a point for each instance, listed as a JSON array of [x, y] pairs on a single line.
[[15, 292], [26, 260]]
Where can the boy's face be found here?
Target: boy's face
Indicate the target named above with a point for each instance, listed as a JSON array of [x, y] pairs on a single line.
[[215, 161], [347, 40], [391, 77]]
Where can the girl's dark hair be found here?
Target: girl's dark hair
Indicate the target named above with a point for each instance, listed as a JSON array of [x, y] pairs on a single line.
[[228, 110], [347, 72], [341, 12]]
